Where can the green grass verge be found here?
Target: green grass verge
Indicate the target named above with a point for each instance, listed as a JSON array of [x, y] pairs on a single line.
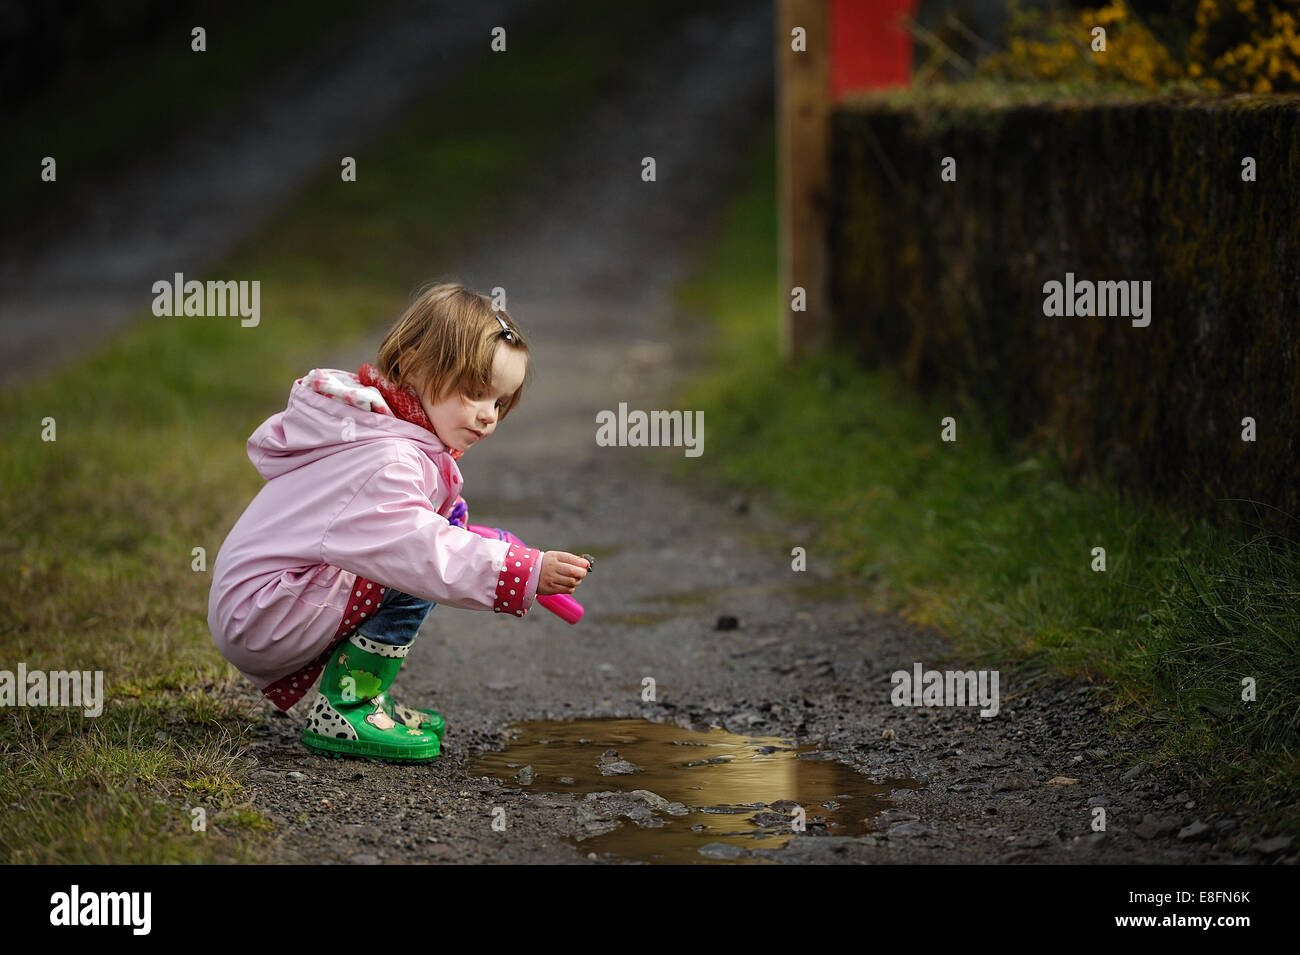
[[996, 550], [102, 525]]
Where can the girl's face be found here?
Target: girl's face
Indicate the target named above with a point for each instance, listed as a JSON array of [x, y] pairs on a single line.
[[461, 420]]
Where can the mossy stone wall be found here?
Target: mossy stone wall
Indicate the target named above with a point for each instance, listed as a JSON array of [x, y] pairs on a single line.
[[947, 278]]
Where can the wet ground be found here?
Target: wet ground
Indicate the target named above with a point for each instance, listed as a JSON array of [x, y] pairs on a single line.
[[656, 792], [590, 264]]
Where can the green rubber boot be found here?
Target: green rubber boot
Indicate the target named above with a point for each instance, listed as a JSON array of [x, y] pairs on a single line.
[[430, 720], [352, 715]]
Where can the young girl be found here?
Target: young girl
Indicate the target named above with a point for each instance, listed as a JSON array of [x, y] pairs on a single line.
[[361, 527]]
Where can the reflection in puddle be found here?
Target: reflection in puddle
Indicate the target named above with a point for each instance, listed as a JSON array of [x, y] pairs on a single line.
[[656, 792]]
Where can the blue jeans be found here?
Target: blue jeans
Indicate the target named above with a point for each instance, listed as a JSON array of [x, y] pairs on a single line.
[[398, 619]]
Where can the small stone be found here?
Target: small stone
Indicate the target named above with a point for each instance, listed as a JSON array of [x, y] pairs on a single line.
[[1062, 781], [1273, 846], [597, 827], [1192, 831], [617, 767], [1013, 782], [295, 775], [1135, 772], [1152, 828], [1093, 840], [711, 761], [722, 850], [726, 621], [525, 775], [656, 801], [889, 734], [365, 858], [742, 720], [892, 816], [1098, 801]]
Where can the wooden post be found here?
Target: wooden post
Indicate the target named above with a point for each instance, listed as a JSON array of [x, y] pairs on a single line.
[[803, 116]]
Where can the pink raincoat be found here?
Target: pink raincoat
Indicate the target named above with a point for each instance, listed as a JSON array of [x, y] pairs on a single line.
[[353, 493]]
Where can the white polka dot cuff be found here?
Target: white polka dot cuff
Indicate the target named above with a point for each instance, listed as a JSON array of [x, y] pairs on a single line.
[[513, 583]]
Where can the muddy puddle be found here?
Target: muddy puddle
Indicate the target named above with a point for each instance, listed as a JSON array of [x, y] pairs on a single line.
[[655, 792]]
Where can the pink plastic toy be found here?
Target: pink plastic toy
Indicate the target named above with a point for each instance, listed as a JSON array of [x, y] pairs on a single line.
[[562, 605]]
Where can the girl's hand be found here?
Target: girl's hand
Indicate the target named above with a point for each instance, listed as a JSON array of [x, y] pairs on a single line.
[[561, 573]]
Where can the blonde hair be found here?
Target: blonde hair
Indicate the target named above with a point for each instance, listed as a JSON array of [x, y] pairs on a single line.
[[447, 339]]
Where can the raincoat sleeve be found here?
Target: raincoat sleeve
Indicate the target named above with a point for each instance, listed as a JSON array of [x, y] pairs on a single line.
[[390, 532]]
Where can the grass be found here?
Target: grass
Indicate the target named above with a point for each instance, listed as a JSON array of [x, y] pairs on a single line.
[[146, 782], [110, 530], [996, 549]]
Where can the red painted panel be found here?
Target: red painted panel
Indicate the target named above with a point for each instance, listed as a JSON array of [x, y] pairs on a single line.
[[868, 47]]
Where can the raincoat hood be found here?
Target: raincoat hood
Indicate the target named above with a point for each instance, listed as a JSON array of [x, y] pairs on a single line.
[[353, 491], [331, 411]]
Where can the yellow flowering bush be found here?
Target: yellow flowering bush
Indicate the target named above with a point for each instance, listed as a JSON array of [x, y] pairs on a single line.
[[1238, 45], [1045, 48], [1246, 45]]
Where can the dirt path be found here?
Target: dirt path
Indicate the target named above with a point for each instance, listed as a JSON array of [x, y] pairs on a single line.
[[590, 265], [68, 283]]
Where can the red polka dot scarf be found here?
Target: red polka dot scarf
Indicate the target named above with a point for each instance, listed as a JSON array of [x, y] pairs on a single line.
[[404, 402]]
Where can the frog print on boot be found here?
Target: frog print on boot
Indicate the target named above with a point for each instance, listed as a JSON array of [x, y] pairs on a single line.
[[351, 714]]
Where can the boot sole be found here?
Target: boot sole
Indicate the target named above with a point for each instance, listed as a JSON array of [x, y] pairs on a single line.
[[367, 750]]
